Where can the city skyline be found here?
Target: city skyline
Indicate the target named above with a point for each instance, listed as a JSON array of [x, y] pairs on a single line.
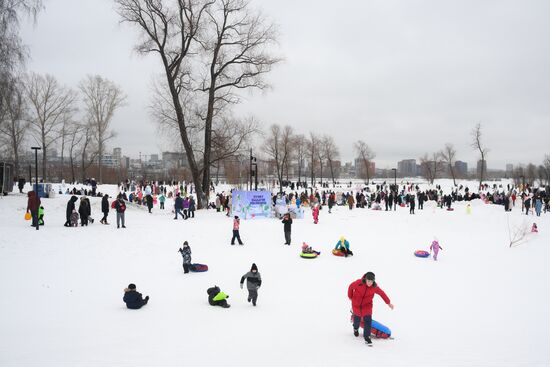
[[404, 79]]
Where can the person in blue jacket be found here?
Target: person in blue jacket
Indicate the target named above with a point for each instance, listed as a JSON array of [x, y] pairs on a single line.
[[343, 245], [133, 298]]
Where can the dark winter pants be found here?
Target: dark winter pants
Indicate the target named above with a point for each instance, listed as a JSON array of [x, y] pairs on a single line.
[[34, 215], [162, 204], [367, 321], [287, 237], [104, 219], [411, 210], [252, 296], [186, 268], [191, 213], [237, 236], [180, 213], [185, 215]]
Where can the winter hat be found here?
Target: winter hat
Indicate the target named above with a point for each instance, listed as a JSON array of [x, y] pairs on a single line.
[[304, 245], [131, 286], [254, 267], [185, 244]]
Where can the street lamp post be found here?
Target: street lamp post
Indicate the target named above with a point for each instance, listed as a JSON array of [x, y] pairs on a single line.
[[394, 187], [36, 149]]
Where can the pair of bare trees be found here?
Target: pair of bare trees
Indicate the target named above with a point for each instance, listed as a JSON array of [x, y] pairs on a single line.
[[284, 149], [209, 50]]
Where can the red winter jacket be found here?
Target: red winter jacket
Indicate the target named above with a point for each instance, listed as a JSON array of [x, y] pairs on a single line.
[[361, 297]]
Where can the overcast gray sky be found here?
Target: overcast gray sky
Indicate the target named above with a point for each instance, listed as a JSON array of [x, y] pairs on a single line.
[[406, 76]]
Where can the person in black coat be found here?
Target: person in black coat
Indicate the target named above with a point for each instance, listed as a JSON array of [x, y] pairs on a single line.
[[133, 298], [287, 221], [104, 209], [84, 211], [70, 208], [149, 200]]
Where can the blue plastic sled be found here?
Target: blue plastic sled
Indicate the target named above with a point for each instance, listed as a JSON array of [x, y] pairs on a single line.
[[377, 329]]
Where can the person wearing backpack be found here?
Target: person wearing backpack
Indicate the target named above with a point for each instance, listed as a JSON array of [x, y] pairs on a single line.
[[120, 207]]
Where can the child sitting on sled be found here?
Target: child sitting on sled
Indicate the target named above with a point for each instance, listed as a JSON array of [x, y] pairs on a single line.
[[308, 250]]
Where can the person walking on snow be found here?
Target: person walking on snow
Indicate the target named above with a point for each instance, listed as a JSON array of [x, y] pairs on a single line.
[[104, 209], [236, 234], [287, 221], [435, 247], [185, 252], [120, 207], [33, 203], [361, 292], [253, 283], [315, 213]]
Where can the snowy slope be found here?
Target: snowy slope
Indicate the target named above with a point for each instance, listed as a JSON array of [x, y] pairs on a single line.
[[481, 304]]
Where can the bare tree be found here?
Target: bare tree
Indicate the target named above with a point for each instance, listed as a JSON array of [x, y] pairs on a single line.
[[300, 152], [101, 98], [477, 145], [75, 137], [277, 147], [366, 155], [431, 166], [448, 155], [170, 32], [235, 43], [219, 44], [331, 154], [546, 167], [311, 147], [49, 102], [88, 149], [12, 51], [13, 125]]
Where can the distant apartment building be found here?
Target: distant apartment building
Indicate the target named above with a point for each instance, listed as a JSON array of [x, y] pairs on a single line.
[[480, 164], [360, 171], [174, 160], [407, 168], [461, 168]]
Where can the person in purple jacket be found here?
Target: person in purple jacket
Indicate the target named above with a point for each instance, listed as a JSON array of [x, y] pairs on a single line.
[[185, 207]]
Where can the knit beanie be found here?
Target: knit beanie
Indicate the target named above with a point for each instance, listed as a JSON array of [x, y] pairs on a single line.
[[131, 286], [254, 267]]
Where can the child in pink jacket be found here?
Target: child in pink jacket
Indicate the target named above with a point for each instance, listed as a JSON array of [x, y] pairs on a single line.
[[435, 247]]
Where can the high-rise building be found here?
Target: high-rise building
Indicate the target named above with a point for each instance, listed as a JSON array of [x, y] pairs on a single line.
[[360, 171], [481, 163], [407, 168], [461, 168]]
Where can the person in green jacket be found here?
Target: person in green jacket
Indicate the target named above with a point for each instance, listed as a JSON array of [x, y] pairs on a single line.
[[343, 246], [41, 216], [162, 199], [217, 298]]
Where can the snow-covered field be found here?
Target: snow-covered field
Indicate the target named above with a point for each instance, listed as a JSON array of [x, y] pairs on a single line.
[[481, 304]]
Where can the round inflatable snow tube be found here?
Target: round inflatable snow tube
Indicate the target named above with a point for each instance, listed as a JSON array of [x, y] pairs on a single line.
[[198, 268], [307, 255], [337, 252], [421, 253], [377, 329]]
